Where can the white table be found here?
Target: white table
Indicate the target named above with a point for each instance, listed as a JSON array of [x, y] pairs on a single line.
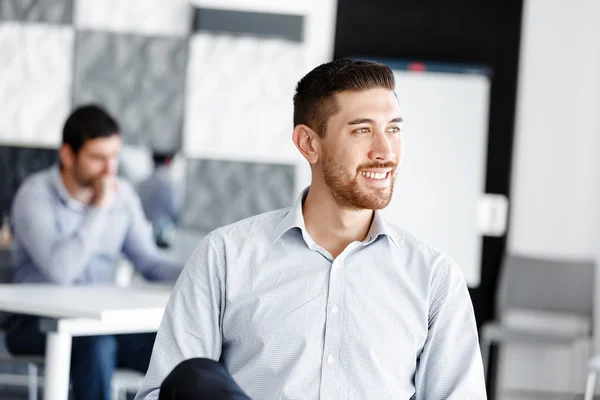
[[70, 311]]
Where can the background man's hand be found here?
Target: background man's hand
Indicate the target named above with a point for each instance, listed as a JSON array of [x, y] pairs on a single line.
[[104, 190]]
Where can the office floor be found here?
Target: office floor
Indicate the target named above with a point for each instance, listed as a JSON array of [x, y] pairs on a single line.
[[21, 394], [546, 397], [18, 393], [542, 396]]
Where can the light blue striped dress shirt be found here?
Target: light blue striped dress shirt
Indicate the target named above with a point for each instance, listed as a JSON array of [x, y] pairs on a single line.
[[60, 240], [389, 318]]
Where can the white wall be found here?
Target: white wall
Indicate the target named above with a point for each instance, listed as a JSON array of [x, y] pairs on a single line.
[[556, 171]]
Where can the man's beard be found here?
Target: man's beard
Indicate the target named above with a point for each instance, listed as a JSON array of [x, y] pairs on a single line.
[[82, 179], [346, 190]]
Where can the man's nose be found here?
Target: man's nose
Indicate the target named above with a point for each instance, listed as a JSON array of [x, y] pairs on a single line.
[[382, 148]]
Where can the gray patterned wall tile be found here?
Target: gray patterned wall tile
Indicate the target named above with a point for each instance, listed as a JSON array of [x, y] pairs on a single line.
[[239, 98], [222, 192], [52, 11], [16, 164], [35, 83], [139, 79]]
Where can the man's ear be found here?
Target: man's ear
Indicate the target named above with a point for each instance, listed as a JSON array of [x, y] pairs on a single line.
[[308, 142], [67, 156]]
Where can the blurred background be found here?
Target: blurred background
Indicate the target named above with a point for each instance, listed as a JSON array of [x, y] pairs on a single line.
[[499, 99]]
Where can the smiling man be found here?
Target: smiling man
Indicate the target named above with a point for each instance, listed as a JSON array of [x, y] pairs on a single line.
[[323, 300]]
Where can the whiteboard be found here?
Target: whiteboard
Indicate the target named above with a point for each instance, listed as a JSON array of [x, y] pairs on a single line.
[[442, 176]]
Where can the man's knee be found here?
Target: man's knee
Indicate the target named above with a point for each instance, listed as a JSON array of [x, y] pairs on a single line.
[[198, 379]]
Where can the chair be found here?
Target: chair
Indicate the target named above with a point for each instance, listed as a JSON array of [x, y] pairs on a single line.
[[536, 290], [590, 386], [125, 381]]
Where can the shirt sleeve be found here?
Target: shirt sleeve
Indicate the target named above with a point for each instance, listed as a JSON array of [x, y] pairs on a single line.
[[61, 260], [192, 324], [449, 366], [139, 246]]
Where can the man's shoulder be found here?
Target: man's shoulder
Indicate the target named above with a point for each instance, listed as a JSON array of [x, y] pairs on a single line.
[[431, 258], [407, 240], [38, 184], [258, 226]]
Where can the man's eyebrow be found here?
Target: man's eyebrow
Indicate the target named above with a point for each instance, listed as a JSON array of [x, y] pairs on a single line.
[[370, 121], [361, 121]]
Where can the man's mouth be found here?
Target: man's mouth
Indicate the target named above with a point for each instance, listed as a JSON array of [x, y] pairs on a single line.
[[378, 175]]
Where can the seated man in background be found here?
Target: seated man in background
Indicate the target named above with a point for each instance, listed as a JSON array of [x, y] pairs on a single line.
[[161, 199], [326, 299], [71, 223]]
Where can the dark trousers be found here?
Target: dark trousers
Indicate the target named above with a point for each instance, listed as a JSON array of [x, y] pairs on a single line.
[[93, 358], [200, 379]]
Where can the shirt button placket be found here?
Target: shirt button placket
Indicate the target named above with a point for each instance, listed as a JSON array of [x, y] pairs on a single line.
[[332, 329]]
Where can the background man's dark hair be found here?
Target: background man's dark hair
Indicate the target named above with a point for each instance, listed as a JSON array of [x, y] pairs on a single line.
[[88, 122], [314, 101], [161, 158]]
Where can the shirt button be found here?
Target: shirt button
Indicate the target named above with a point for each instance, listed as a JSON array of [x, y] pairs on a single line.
[[334, 309], [330, 359]]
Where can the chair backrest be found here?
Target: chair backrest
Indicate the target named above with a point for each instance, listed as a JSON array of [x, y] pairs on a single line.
[[552, 285], [6, 274], [6, 271]]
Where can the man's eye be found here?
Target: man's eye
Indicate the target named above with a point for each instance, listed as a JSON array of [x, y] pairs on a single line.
[[362, 130], [394, 129]]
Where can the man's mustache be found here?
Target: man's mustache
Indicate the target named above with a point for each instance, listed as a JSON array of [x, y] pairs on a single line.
[[375, 165]]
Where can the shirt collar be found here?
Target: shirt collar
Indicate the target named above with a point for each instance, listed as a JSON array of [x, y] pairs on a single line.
[[381, 228], [64, 195], [295, 219]]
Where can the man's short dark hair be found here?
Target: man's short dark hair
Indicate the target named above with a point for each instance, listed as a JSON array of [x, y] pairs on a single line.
[[88, 122], [314, 101], [161, 158]]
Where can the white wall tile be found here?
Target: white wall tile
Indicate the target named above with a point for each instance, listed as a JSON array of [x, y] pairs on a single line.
[[319, 16], [239, 98], [35, 83], [152, 17]]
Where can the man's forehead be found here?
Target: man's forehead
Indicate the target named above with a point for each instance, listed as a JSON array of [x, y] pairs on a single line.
[[376, 101], [102, 142]]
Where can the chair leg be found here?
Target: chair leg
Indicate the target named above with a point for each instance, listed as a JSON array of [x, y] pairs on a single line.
[[116, 392], [571, 384], [32, 381], [485, 356], [590, 386]]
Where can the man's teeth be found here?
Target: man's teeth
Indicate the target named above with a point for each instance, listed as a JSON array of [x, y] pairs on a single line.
[[374, 175]]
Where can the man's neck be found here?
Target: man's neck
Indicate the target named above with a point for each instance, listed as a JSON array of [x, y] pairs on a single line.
[[331, 226], [80, 193]]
